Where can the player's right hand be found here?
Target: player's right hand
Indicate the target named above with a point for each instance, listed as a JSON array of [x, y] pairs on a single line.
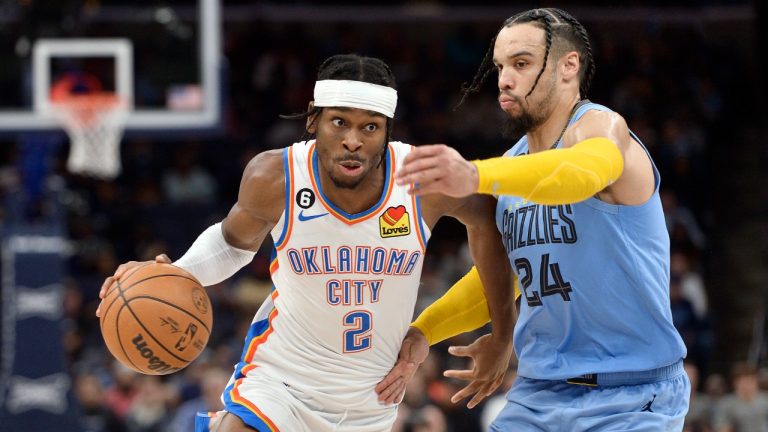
[[490, 357], [413, 352], [437, 168], [121, 269]]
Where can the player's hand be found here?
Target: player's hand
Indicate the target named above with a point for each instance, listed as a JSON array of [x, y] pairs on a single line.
[[438, 169], [490, 360], [413, 352], [121, 269]]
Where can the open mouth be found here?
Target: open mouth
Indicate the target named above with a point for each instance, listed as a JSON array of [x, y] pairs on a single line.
[[351, 167]]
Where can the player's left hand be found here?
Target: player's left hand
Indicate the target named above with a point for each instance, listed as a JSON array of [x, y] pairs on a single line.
[[438, 169], [121, 270], [413, 352], [490, 362]]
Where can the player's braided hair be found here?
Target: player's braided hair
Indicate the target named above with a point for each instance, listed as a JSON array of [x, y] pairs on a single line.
[[561, 30], [355, 68]]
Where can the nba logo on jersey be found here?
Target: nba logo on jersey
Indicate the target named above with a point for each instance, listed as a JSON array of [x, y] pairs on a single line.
[[394, 222]]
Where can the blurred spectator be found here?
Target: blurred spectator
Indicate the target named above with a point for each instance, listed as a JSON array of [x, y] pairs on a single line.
[[121, 394], [691, 283], [187, 182], [709, 98], [401, 423], [701, 408], [684, 230], [696, 332], [95, 415], [149, 412], [416, 391], [746, 409], [683, 315], [428, 418], [214, 382], [715, 387], [762, 379]]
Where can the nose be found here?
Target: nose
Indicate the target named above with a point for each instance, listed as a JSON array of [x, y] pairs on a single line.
[[352, 141], [506, 79]]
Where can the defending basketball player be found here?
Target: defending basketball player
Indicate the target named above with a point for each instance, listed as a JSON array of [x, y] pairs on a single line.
[[581, 220], [349, 247]]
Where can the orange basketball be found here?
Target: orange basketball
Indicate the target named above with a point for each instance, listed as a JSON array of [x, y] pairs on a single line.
[[156, 319]]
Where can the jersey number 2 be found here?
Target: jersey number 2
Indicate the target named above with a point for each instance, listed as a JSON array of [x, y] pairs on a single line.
[[358, 338]]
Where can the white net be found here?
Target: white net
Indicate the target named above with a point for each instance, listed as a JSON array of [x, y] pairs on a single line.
[[95, 125]]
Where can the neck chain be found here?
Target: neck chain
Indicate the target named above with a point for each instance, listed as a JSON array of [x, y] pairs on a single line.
[[578, 105]]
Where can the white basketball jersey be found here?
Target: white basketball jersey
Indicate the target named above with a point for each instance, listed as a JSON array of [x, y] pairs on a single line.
[[345, 286]]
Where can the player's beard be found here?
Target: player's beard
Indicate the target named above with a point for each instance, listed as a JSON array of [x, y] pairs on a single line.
[[515, 127], [528, 120]]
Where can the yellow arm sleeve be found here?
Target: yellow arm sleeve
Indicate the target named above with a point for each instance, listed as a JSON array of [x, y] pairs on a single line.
[[562, 176], [461, 309]]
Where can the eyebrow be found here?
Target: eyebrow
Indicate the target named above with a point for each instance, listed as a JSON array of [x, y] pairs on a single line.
[[517, 54], [520, 53], [348, 109]]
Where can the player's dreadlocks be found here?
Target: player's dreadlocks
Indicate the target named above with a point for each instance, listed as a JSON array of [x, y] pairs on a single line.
[[356, 68], [562, 32]]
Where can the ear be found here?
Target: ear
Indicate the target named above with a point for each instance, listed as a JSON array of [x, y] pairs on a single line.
[[311, 119], [570, 65]]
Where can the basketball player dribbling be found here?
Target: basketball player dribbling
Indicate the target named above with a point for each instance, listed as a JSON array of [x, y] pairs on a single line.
[[581, 220], [350, 245]]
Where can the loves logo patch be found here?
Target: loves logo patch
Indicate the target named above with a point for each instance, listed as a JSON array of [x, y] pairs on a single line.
[[394, 222]]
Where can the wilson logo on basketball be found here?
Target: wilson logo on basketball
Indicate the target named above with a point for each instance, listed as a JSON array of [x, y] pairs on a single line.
[[394, 222], [153, 362]]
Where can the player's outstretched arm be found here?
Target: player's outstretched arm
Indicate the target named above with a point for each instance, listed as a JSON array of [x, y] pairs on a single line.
[[225, 247], [490, 363], [561, 176]]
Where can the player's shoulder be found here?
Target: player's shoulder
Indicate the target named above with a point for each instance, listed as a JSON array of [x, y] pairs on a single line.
[[597, 120], [601, 115], [267, 162], [265, 172], [597, 113]]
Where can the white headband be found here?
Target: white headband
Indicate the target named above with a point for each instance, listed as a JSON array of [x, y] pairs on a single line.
[[356, 94]]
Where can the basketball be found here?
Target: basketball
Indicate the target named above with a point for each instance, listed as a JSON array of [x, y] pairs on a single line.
[[156, 319]]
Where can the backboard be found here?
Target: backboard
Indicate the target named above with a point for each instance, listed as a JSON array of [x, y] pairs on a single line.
[[162, 57]]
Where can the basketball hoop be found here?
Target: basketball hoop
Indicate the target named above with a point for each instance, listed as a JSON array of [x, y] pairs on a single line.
[[95, 123]]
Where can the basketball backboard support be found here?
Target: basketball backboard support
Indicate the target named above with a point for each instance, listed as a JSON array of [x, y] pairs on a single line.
[[116, 34]]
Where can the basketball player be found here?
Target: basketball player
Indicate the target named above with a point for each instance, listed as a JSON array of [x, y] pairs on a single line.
[[350, 245], [581, 220]]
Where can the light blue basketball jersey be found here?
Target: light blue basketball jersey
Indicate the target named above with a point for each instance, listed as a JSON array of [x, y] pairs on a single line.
[[594, 279]]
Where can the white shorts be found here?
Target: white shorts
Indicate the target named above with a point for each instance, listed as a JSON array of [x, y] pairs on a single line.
[[268, 404]]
